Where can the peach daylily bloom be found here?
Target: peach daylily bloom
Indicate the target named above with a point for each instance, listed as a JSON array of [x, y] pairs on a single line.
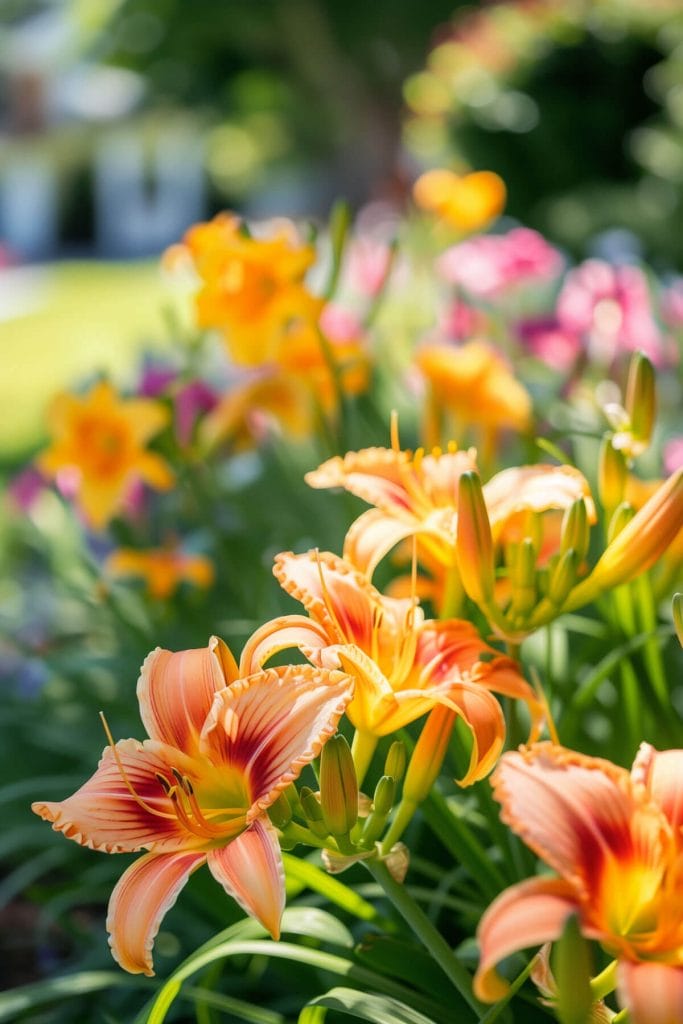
[[403, 665], [163, 569], [220, 751], [615, 840], [99, 440], [466, 202], [417, 495], [473, 384], [250, 287]]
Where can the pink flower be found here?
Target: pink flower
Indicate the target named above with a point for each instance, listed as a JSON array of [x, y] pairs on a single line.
[[25, 488], [611, 307], [461, 321], [673, 454], [368, 264], [545, 338], [489, 265], [672, 304]]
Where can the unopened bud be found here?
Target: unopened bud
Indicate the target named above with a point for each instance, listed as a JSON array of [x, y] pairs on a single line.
[[523, 578], [575, 529], [621, 517], [395, 764], [310, 805], [612, 474], [427, 757], [641, 398], [383, 801], [338, 787], [279, 812], [563, 577], [677, 607], [475, 544]]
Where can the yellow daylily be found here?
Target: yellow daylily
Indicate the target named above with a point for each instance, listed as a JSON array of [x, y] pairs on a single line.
[[251, 288], [221, 749], [466, 202], [100, 440]]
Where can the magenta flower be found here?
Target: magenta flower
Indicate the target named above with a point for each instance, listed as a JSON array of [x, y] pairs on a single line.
[[490, 265]]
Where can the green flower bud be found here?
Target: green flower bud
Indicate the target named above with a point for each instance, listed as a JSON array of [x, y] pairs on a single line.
[[395, 764], [338, 787], [678, 616], [563, 577], [641, 398], [622, 516], [575, 529], [310, 805], [279, 812], [474, 544], [612, 473]]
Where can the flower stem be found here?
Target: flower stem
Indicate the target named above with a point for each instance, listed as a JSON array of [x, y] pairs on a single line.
[[425, 931], [605, 982]]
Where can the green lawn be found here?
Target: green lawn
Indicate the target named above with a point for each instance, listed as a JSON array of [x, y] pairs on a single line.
[[61, 323]]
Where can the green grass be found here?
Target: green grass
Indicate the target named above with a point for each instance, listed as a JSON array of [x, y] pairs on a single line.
[[79, 319]]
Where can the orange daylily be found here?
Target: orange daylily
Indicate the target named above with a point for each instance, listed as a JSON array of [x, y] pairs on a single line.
[[163, 569], [221, 749], [417, 495], [473, 385], [403, 665], [100, 438], [294, 389], [616, 841], [251, 287], [467, 202]]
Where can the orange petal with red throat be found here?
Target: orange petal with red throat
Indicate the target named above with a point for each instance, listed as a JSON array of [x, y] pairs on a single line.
[[176, 690], [269, 725], [250, 870], [525, 915], [651, 992], [577, 813], [119, 813], [141, 897], [482, 715]]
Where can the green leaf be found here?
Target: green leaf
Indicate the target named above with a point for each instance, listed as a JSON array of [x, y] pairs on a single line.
[[19, 1000], [366, 1006]]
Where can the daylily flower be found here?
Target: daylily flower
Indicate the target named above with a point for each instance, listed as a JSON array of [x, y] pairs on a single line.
[[491, 265], [220, 751], [473, 385], [417, 495], [467, 202], [163, 569], [251, 287], [616, 842], [403, 665], [99, 441]]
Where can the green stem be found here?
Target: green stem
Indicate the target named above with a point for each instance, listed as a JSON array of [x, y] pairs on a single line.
[[605, 982], [362, 749], [404, 813], [425, 931]]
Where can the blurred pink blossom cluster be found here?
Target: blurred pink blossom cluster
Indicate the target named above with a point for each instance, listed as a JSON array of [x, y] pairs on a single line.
[[489, 265]]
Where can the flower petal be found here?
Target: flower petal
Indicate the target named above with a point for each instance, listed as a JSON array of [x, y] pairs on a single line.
[[271, 724], [483, 716], [176, 691], [373, 698], [661, 773], [141, 897], [104, 815], [575, 812], [372, 536], [250, 869], [652, 992], [281, 634], [527, 914], [536, 488], [373, 474]]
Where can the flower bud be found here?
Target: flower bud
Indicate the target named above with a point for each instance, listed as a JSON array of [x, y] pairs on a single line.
[[427, 757], [395, 764], [678, 616], [279, 812], [563, 577], [310, 805], [575, 530], [338, 787], [612, 474], [639, 544], [474, 543], [641, 398], [622, 516], [383, 801]]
